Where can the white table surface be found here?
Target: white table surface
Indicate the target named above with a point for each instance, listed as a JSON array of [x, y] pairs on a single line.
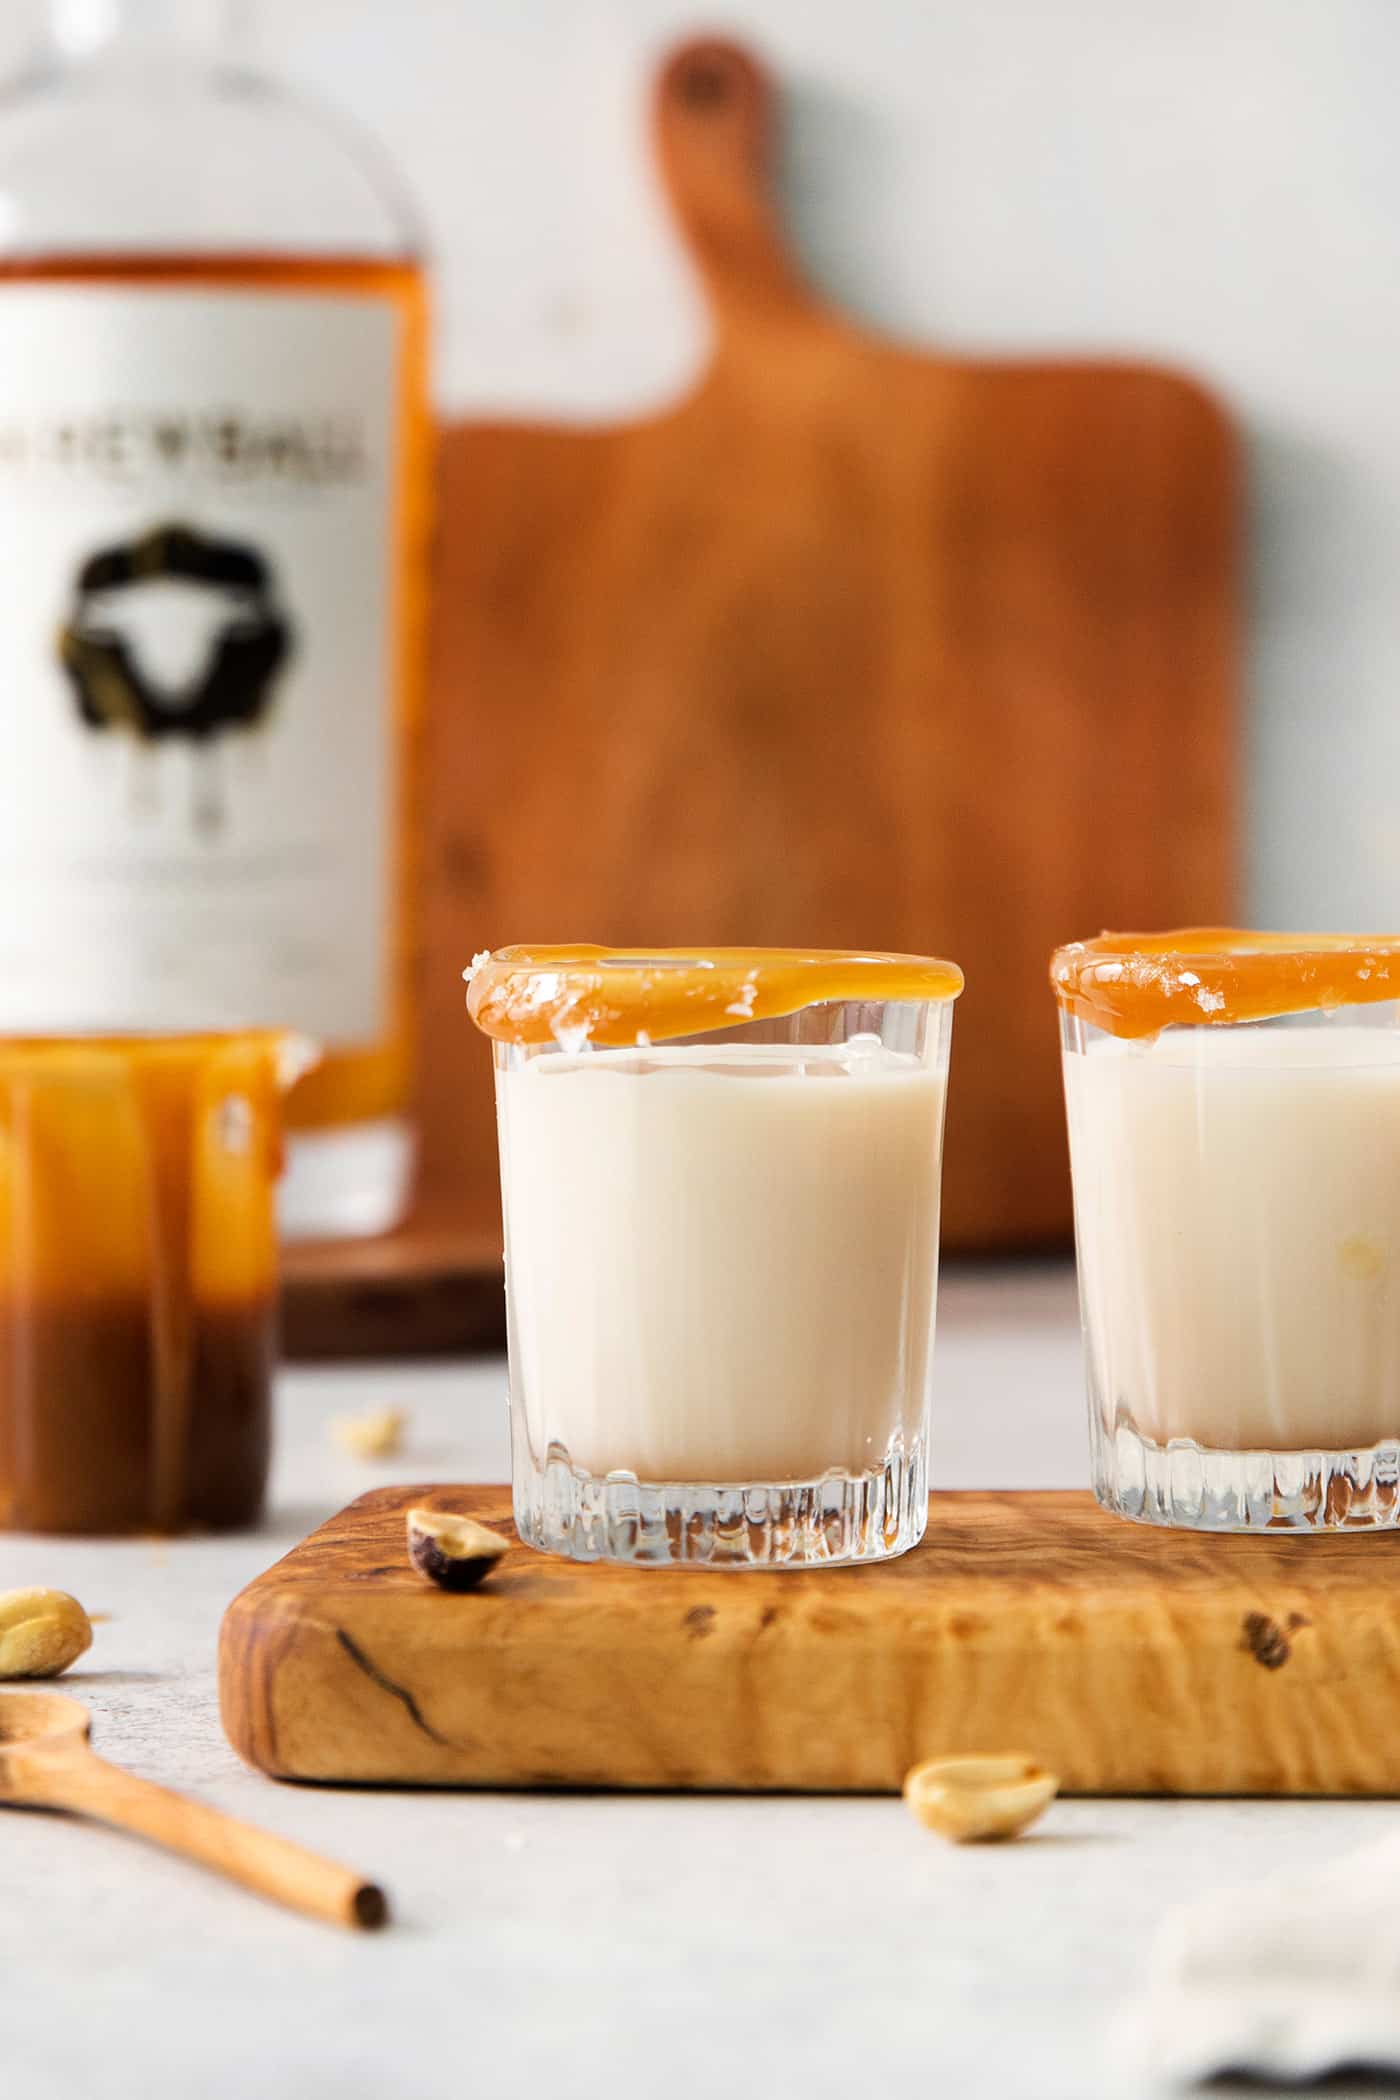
[[587, 1945]]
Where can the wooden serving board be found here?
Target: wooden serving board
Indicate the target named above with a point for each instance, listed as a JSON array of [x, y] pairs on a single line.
[[1126, 1660]]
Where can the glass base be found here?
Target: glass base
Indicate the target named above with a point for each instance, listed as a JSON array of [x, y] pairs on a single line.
[[347, 1183], [839, 1520], [1194, 1488]]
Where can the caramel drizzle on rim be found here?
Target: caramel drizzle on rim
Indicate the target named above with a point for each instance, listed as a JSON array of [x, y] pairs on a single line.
[[618, 997], [1133, 984]]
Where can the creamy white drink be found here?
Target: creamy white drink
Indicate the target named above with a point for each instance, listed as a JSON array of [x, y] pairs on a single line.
[[722, 1261], [720, 1176], [1237, 1199]]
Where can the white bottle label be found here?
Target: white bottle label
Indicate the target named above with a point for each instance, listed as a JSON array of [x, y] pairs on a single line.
[[196, 626]]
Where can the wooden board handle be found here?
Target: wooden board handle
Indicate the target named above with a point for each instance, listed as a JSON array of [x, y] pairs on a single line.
[[714, 122], [274, 1866]]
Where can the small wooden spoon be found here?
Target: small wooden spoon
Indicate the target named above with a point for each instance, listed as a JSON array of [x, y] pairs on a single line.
[[46, 1762]]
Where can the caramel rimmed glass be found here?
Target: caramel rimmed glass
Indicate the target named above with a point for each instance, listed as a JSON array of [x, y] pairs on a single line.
[[720, 1176], [1234, 1124]]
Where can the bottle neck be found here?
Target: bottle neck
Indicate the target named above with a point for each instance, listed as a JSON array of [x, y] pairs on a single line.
[[113, 30]]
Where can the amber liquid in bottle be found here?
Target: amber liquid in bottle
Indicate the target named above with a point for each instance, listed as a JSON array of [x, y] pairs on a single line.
[[215, 458], [353, 1082]]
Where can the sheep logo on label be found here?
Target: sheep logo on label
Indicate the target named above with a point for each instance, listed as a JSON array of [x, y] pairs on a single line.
[[177, 639]]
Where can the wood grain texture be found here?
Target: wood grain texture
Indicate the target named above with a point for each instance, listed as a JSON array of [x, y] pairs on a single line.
[[1124, 1659], [855, 646]]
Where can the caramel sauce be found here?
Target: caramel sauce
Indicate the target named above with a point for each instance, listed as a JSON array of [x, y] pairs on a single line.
[[614, 996], [138, 1275], [81, 1442], [1133, 984], [356, 1082]]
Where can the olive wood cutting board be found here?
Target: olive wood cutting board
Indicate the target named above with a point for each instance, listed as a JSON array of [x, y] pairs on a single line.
[[1125, 1659], [859, 644]]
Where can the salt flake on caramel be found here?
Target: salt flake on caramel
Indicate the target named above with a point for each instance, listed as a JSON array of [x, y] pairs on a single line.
[[1134, 984]]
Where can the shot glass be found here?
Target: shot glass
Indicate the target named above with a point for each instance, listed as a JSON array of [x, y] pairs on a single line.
[[138, 1278], [720, 1176], [1234, 1127]]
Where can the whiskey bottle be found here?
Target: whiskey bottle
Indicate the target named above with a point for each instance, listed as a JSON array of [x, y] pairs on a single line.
[[214, 461]]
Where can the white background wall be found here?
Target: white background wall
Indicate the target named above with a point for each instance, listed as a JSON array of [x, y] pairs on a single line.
[[1216, 181]]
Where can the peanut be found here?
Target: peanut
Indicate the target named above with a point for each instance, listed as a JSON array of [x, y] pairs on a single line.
[[454, 1552], [41, 1632], [378, 1434], [970, 1798]]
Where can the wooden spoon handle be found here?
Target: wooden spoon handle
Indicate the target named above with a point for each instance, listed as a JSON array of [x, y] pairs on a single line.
[[274, 1866]]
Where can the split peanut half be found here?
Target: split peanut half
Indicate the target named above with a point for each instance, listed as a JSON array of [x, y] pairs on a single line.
[[972, 1798]]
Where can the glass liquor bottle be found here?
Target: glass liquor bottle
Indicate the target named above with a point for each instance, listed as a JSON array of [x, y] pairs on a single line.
[[214, 462]]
